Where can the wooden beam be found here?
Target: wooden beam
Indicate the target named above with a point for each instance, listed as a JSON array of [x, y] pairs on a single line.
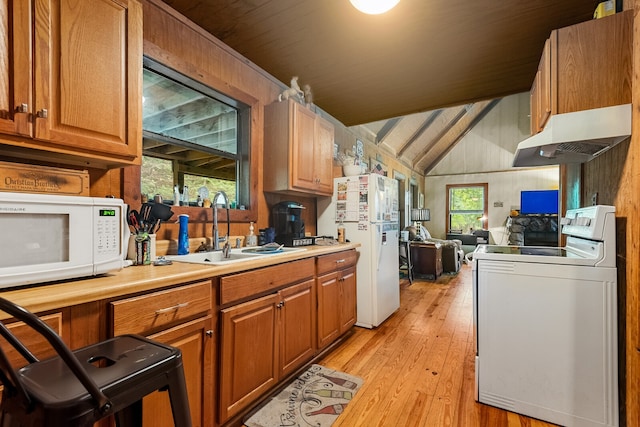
[[442, 133], [462, 134], [425, 125], [386, 129]]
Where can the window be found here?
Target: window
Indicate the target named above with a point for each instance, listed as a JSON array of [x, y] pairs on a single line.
[[193, 137], [467, 207]]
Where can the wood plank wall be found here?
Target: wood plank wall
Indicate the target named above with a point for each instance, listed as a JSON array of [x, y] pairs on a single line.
[[615, 176]]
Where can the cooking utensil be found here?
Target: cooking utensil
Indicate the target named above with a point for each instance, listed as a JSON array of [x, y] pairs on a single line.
[[161, 211], [156, 225], [134, 220], [145, 212]]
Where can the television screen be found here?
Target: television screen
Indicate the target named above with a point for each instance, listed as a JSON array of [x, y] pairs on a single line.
[[539, 202]]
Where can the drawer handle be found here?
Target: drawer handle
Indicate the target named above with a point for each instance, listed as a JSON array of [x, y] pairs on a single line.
[[169, 309], [340, 261]]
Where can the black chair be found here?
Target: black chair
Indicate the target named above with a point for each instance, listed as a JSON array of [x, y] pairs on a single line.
[[405, 259], [78, 388]]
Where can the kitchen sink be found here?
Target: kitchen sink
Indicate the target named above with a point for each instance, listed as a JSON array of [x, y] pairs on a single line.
[[237, 255]]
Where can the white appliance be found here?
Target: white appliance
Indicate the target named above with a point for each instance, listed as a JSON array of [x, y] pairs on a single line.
[[545, 323], [52, 237], [367, 207]]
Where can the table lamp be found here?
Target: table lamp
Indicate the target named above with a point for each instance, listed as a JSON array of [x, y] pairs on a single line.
[[417, 216]]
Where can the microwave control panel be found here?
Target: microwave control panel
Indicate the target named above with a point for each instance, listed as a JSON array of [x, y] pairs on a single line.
[[108, 223]]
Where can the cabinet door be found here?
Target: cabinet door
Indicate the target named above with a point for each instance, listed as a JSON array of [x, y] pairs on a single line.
[[324, 157], [195, 340], [15, 67], [544, 86], [534, 104], [88, 72], [348, 312], [328, 289], [249, 355], [303, 147], [594, 63], [35, 342], [297, 326]]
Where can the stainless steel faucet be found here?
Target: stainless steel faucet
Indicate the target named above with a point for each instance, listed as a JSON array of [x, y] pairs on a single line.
[[226, 249]]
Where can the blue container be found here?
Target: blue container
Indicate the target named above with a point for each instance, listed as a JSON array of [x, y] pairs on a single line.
[[183, 235]]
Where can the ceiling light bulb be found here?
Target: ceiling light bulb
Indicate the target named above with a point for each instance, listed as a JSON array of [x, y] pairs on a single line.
[[374, 7]]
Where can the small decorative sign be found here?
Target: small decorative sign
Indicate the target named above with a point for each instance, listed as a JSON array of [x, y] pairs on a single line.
[[23, 178]]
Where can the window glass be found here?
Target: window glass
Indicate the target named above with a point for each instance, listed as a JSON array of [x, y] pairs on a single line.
[[467, 207], [193, 137]]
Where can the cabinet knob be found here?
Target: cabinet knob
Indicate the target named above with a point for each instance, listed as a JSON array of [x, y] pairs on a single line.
[[280, 304], [43, 114], [209, 333], [22, 108]]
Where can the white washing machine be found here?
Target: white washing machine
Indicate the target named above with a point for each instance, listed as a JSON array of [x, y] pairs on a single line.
[[545, 323]]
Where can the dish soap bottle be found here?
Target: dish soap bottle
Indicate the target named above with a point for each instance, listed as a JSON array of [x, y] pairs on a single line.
[[252, 239]]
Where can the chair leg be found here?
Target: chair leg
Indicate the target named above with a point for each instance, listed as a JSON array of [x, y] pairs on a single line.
[[131, 416], [179, 398]]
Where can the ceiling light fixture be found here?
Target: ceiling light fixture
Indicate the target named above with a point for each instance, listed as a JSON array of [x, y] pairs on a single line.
[[374, 7]]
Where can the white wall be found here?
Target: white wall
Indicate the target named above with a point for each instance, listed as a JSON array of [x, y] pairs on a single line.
[[485, 155], [491, 144]]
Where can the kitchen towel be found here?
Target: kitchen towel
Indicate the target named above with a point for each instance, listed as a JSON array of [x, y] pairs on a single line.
[[316, 398]]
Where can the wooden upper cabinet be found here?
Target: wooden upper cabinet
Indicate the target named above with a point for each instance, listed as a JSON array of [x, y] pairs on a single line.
[[541, 91], [15, 61], [583, 66], [594, 63], [298, 150], [77, 92]]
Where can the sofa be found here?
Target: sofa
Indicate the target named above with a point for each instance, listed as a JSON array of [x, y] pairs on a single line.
[[469, 240]]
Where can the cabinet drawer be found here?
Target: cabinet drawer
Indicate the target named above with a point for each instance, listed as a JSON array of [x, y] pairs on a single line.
[[337, 261], [148, 313], [243, 285]]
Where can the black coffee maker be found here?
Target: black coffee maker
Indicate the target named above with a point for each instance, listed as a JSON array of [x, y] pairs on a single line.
[[286, 219]]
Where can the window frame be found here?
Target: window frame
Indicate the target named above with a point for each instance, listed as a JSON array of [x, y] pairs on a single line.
[[130, 185], [485, 214]]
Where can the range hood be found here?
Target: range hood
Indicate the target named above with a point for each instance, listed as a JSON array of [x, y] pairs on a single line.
[[575, 137]]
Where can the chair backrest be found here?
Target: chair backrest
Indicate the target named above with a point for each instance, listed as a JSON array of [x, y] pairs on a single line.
[[8, 375]]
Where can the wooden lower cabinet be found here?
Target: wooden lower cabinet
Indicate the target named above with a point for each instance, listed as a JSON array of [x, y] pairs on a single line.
[[248, 353], [195, 340], [336, 284], [263, 340], [328, 308], [35, 342], [336, 304], [297, 326], [181, 317], [348, 312]]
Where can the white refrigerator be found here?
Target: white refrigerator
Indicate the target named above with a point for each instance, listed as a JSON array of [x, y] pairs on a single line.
[[367, 207]]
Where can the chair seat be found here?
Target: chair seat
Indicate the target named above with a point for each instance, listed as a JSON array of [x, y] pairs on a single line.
[[116, 362]]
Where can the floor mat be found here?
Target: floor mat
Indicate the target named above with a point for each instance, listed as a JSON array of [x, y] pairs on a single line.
[[316, 398]]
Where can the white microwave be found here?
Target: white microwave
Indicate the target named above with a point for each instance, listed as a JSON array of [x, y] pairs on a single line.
[[52, 237]]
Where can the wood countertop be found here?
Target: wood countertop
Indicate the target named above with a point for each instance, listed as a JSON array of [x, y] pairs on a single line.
[[135, 279]]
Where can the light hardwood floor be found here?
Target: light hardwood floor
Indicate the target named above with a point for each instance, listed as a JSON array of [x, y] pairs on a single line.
[[418, 366]]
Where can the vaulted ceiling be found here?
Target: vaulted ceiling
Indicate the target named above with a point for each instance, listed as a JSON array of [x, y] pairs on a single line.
[[444, 60]]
